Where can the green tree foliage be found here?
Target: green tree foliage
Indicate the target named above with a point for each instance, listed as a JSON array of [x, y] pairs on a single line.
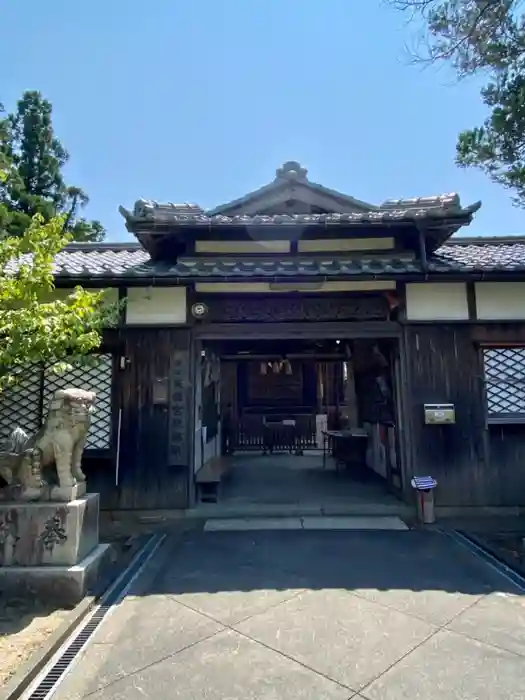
[[33, 158], [36, 324], [487, 38]]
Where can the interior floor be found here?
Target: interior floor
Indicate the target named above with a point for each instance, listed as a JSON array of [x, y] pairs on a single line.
[[290, 479]]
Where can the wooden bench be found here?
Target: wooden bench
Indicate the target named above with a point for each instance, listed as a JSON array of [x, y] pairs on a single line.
[[209, 477]]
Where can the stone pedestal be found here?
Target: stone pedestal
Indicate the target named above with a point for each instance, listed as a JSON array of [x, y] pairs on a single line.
[[51, 547]]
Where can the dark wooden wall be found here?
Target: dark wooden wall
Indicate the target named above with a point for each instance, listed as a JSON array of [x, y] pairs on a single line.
[[155, 448], [475, 464]]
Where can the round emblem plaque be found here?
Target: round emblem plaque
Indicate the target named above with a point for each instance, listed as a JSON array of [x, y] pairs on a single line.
[[199, 310]]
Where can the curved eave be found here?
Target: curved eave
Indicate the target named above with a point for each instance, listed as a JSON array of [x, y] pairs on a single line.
[[445, 229], [442, 218]]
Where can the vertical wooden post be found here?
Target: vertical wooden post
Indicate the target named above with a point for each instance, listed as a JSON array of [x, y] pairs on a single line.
[[350, 408]]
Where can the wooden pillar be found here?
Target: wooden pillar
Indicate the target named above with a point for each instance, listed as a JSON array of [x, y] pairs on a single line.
[[350, 402], [157, 422], [181, 427]]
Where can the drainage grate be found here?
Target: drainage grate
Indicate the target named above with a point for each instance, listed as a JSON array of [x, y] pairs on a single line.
[[54, 675], [48, 681]]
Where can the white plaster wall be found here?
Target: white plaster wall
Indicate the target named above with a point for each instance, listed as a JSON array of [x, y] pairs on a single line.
[[500, 301], [237, 247], [280, 287], [156, 306], [437, 301], [320, 245]]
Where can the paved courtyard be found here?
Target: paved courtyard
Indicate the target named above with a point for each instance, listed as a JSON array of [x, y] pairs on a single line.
[[309, 614]]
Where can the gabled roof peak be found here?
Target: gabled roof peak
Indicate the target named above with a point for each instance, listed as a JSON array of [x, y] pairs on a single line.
[[291, 182]]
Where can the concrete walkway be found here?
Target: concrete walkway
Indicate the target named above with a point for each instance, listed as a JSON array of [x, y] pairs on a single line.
[[310, 614]]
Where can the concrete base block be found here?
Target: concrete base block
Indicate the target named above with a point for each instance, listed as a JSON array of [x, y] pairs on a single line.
[[48, 534], [65, 584]]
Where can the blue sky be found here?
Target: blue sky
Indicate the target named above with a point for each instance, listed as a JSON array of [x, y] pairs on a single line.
[[201, 100]]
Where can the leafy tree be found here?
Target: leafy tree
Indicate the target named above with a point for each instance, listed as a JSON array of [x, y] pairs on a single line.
[[35, 184], [483, 37], [34, 326]]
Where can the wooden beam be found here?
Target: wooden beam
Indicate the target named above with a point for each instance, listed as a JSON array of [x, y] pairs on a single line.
[[471, 301], [290, 356], [306, 330], [499, 334], [423, 250]]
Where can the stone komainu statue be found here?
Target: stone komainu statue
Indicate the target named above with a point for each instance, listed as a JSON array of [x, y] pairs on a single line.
[[60, 440]]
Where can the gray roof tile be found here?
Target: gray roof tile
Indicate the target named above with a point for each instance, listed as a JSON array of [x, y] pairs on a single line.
[[401, 211], [480, 255], [128, 261], [102, 261]]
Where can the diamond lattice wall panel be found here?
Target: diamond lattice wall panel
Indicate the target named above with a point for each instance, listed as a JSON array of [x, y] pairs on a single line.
[[20, 404], [98, 379], [505, 380]]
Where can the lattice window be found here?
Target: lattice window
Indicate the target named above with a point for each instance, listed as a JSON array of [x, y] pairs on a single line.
[[97, 378], [20, 403], [505, 384]]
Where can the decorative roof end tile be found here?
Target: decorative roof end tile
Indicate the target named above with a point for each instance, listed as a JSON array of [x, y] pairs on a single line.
[[291, 170]]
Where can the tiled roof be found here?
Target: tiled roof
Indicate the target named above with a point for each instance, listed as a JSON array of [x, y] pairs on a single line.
[[395, 210], [483, 255], [96, 260], [290, 180], [130, 262], [102, 261], [107, 261]]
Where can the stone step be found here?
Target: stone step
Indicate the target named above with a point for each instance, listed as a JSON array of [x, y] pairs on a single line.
[[306, 523], [253, 510]]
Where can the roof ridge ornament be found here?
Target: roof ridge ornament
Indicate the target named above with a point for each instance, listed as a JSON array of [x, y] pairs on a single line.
[[292, 170]]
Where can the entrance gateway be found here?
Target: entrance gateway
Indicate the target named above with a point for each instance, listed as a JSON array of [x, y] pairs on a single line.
[[292, 406], [283, 353]]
